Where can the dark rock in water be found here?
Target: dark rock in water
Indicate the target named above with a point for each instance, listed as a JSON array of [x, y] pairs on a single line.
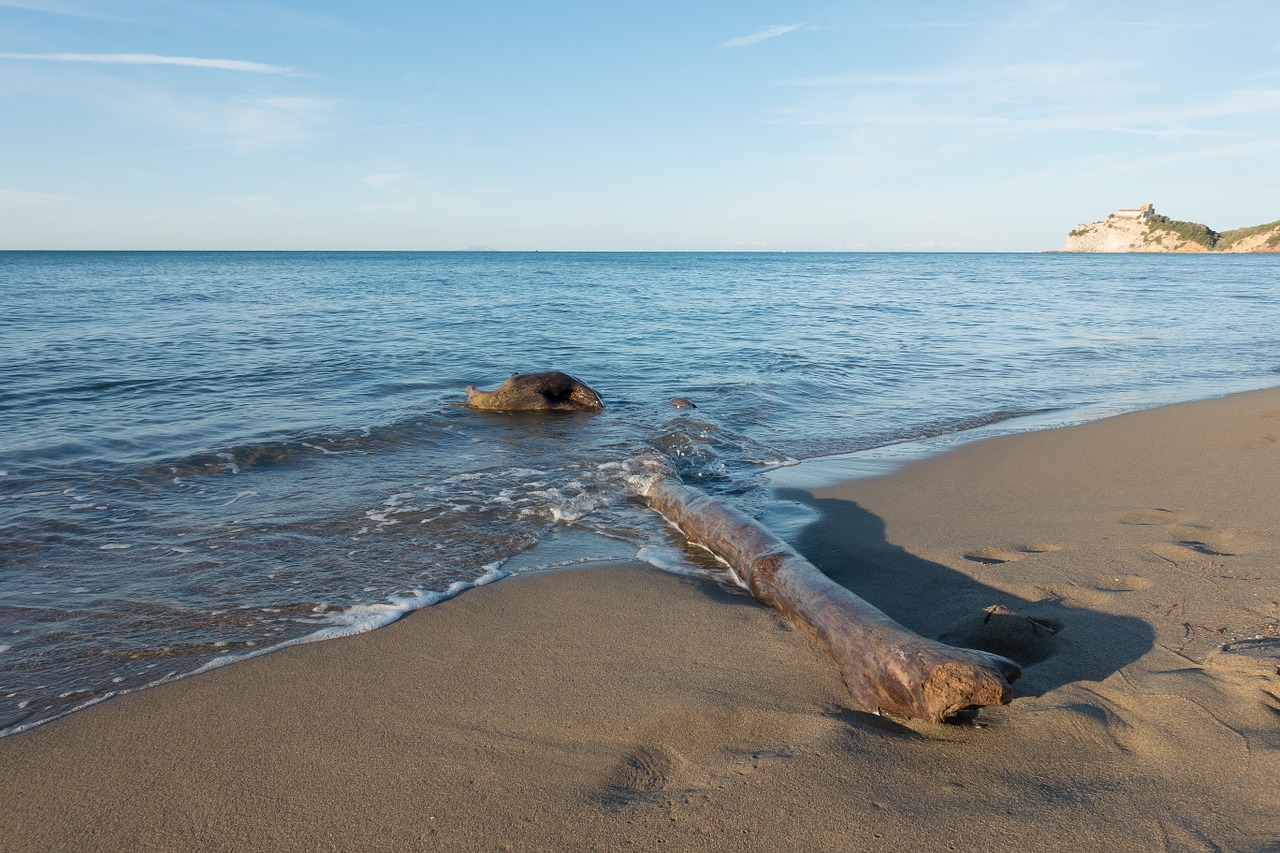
[[536, 392], [682, 403]]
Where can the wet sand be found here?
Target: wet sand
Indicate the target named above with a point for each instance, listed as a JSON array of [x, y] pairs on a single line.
[[1132, 565]]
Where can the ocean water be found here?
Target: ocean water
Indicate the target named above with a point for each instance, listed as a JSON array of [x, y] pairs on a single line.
[[208, 455]]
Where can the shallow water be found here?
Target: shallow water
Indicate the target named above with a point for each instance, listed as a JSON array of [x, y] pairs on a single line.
[[208, 454]]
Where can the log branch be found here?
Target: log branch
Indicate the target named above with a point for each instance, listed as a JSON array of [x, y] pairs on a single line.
[[886, 667]]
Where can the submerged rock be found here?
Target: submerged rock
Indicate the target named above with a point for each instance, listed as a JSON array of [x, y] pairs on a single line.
[[532, 392]]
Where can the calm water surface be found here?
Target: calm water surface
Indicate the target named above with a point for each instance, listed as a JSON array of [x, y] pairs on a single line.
[[204, 455]]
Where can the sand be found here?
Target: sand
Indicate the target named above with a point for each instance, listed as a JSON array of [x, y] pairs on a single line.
[[1132, 564]]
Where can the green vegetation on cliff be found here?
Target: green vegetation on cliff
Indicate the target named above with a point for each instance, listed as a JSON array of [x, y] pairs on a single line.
[[1227, 239], [1203, 235], [1191, 232]]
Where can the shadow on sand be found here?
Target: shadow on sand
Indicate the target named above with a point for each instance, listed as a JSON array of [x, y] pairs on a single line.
[[1056, 644]]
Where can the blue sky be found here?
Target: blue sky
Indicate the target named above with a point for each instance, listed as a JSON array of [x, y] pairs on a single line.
[[984, 126]]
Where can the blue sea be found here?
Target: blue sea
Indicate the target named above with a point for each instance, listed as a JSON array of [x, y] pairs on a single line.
[[208, 455]]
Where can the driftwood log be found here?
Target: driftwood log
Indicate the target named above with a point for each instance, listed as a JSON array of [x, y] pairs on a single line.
[[886, 667]]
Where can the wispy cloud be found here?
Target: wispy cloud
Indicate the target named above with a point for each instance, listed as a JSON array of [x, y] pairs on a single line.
[[1041, 74], [245, 124], [154, 59], [764, 34], [934, 25], [26, 198], [283, 129], [1180, 25], [266, 122], [382, 180], [1010, 25], [51, 8]]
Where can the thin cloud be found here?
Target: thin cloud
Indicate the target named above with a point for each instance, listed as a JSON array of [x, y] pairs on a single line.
[[387, 179], [47, 8], [256, 123], [951, 25], [1042, 74], [764, 34], [1181, 25], [25, 198], [261, 142], [154, 59], [934, 25]]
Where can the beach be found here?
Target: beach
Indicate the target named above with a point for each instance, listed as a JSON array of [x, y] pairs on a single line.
[[1131, 564], [181, 485]]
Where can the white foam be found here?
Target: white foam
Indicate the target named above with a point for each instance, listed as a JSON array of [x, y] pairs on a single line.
[[231, 462], [326, 451], [240, 495], [4, 647], [114, 546], [770, 464], [362, 618]]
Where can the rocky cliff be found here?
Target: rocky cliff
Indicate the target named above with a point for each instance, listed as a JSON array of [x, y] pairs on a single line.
[[1161, 234]]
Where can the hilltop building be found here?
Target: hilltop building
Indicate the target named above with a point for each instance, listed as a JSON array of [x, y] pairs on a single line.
[[1145, 212]]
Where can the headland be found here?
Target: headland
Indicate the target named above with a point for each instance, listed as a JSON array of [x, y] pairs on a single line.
[[1142, 230]]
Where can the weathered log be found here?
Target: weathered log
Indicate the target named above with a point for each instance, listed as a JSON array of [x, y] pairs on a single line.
[[886, 667]]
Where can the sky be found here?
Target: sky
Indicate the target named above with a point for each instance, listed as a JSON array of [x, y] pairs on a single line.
[[655, 126]]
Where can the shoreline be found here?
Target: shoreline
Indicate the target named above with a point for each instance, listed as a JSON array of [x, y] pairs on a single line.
[[615, 703], [886, 458], [780, 516]]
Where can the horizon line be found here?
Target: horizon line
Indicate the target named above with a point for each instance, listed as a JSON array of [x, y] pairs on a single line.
[[602, 251]]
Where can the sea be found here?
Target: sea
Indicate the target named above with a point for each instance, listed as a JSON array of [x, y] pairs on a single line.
[[205, 456]]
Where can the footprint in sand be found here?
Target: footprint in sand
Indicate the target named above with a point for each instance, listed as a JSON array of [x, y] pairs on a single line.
[[1258, 441], [1077, 595], [1001, 554], [643, 774], [1154, 516], [1124, 583], [1191, 541], [1216, 543], [1271, 700], [1183, 557]]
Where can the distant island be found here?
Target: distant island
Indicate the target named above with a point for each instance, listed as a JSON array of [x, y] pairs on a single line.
[[1141, 229]]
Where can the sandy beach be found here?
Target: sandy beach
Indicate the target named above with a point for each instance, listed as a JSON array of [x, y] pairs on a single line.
[[1132, 565]]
